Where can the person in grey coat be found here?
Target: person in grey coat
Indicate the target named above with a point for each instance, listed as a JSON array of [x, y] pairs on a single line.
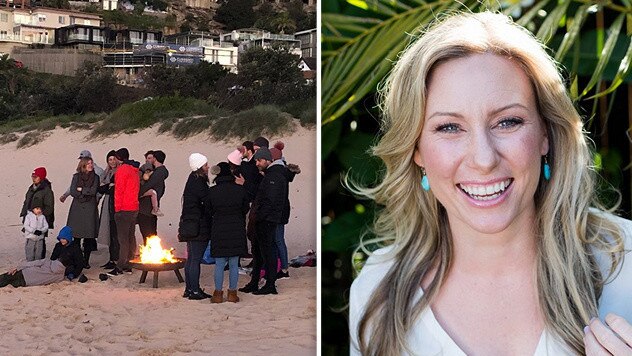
[[83, 215], [36, 273], [98, 170]]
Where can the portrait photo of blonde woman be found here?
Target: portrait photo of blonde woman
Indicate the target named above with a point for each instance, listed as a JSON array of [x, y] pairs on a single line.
[[480, 209]]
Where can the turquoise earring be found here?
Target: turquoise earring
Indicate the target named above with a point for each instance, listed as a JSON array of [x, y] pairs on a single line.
[[547, 168], [424, 180]]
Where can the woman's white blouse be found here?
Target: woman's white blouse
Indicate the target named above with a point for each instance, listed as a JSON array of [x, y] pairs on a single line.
[[427, 337]]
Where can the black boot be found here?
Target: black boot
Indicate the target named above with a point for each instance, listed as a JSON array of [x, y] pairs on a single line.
[[268, 288], [251, 287], [86, 257], [199, 295]]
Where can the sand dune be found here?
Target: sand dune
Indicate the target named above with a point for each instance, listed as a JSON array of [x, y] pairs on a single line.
[[121, 316]]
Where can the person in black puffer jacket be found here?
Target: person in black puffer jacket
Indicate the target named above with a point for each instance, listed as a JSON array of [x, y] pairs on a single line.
[[195, 224], [290, 172], [228, 205], [270, 207]]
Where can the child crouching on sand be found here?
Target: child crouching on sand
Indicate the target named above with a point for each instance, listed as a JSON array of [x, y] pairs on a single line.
[[67, 249], [35, 227], [36, 273]]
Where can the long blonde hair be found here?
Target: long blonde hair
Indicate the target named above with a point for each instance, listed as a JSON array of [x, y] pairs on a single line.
[[569, 282]]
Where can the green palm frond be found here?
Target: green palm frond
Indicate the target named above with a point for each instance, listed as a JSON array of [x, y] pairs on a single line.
[[359, 47]]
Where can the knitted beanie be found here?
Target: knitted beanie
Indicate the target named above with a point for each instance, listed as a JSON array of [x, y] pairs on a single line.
[[277, 150], [235, 158], [196, 161], [263, 153], [39, 172]]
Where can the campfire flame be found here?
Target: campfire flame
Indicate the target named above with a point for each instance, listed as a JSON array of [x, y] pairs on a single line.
[[152, 252]]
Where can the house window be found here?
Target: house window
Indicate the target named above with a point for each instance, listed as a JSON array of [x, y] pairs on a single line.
[[72, 20], [96, 35], [151, 37], [4, 18], [62, 20], [3, 34], [41, 18], [135, 37]]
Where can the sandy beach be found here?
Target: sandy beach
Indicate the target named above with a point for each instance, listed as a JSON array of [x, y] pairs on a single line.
[[121, 316]]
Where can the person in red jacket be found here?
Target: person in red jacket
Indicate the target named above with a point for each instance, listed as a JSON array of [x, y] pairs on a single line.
[[126, 188]]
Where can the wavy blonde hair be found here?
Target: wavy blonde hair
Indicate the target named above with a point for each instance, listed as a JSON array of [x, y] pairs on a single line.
[[569, 281]]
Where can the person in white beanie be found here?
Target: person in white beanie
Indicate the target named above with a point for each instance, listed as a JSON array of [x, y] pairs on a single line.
[[195, 224]]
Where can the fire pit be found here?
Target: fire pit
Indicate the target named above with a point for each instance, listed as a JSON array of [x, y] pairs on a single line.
[[153, 258], [158, 267]]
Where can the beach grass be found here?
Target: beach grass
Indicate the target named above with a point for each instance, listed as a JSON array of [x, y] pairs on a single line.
[[181, 117], [260, 120]]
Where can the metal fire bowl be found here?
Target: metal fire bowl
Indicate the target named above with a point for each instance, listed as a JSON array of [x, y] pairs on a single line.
[[158, 267]]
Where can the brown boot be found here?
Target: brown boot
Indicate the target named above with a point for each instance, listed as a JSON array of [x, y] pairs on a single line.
[[232, 296], [218, 297]]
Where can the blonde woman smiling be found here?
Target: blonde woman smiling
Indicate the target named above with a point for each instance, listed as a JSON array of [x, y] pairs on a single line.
[[496, 245]]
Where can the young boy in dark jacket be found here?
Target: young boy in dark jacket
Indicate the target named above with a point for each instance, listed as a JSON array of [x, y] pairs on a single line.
[[66, 249]]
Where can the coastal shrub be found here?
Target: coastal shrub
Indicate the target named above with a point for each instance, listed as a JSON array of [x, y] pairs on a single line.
[[8, 138], [262, 119], [46, 123], [308, 115], [74, 126], [166, 125], [191, 125], [304, 110], [296, 107], [31, 138], [146, 112]]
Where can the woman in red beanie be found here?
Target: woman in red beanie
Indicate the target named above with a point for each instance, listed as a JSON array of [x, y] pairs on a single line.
[[40, 193]]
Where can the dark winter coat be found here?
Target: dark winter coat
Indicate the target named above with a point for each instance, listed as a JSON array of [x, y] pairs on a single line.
[[195, 223], [252, 177], [43, 197], [73, 251], [272, 200], [156, 182], [228, 205], [289, 176], [108, 190], [83, 216]]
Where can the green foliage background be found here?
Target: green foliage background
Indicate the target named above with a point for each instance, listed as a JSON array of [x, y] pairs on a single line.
[[269, 91], [360, 42]]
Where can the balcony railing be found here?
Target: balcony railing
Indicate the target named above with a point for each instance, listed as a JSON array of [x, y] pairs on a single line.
[[78, 37], [27, 39]]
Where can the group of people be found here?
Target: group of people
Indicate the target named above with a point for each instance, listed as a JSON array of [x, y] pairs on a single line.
[[129, 195], [247, 200]]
